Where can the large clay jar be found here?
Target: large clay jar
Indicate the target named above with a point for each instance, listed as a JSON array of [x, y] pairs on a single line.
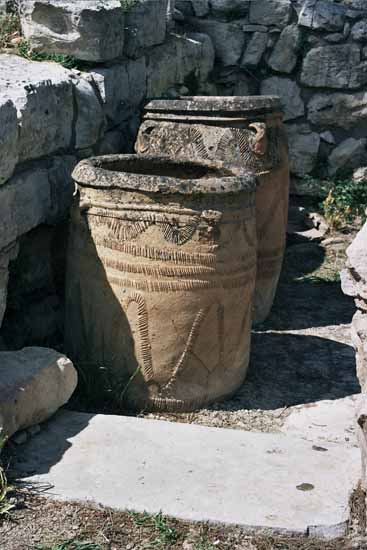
[[161, 274], [245, 130]]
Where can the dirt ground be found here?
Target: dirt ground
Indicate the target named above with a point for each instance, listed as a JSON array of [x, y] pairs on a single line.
[[44, 525]]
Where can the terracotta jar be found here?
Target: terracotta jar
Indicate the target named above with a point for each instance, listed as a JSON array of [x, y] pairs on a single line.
[[161, 274], [245, 130]]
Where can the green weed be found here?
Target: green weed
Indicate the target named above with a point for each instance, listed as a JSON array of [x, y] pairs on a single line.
[[128, 5], [66, 61], [345, 203], [164, 534], [9, 28]]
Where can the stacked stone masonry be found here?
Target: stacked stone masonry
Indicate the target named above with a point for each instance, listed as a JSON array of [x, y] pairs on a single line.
[[51, 117], [312, 53]]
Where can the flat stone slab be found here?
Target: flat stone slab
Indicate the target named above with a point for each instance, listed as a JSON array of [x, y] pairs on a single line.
[[271, 482]]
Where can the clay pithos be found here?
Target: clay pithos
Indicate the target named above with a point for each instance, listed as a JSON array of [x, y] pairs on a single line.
[[161, 276], [244, 130]]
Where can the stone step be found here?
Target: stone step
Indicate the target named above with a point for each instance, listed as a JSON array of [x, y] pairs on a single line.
[[272, 482]]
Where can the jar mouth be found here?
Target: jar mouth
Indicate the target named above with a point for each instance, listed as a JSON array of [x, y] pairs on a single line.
[[162, 174], [230, 105]]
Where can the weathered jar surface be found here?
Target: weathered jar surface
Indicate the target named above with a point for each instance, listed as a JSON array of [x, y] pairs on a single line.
[[245, 130], [161, 275]]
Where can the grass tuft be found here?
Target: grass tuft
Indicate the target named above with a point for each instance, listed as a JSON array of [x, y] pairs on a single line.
[[67, 61]]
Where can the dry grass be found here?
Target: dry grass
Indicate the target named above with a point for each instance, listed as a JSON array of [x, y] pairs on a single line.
[[50, 525]]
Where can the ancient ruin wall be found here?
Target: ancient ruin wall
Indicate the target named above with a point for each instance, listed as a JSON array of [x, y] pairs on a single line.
[[313, 54], [51, 117]]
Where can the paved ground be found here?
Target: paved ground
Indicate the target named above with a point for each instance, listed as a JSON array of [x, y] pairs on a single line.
[[263, 481]]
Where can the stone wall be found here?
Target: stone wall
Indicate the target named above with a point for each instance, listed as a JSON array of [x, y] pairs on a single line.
[[50, 117], [313, 53]]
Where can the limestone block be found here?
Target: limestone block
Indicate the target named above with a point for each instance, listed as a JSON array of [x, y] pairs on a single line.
[[334, 67], [8, 139], [179, 59], [89, 115], [283, 58], [334, 38], [234, 8], [255, 49], [201, 7], [145, 26], [348, 155], [121, 86], [34, 383], [338, 109], [289, 93], [90, 31], [359, 339], [43, 96], [328, 137], [303, 148], [359, 31], [40, 194], [360, 176], [322, 15], [357, 254], [270, 12], [228, 39]]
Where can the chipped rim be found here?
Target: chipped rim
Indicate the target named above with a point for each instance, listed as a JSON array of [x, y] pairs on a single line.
[[105, 172]]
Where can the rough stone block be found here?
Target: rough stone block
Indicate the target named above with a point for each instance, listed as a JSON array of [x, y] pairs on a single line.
[[348, 155], [90, 31], [228, 39], [89, 115], [255, 49], [283, 58], [322, 15], [43, 96], [233, 8], [341, 110], [179, 60], [303, 149], [359, 339], [357, 254], [270, 12], [34, 383], [334, 67], [289, 93], [40, 194], [8, 139], [359, 31], [145, 26], [121, 86]]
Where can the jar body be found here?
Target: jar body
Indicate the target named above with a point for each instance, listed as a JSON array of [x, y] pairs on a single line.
[[256, 140], [159, 293]]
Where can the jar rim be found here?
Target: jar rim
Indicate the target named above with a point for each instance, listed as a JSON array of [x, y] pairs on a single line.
[[164, 175], [214, 104]]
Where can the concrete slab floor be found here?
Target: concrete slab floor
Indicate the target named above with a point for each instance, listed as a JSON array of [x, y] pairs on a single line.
[[272, 482]]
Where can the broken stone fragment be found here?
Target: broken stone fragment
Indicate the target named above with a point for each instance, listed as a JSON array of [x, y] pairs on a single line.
[[34, 384]]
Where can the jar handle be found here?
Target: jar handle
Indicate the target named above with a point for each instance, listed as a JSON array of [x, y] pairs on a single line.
[[260, 143]]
